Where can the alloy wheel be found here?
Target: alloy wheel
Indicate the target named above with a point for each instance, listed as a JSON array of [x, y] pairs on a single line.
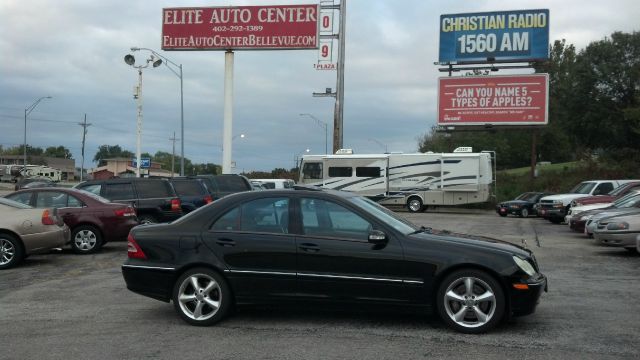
[[7, 251], [470, 302], [199, 297]]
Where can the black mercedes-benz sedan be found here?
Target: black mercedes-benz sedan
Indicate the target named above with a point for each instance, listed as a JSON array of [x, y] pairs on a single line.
[[325, 246]]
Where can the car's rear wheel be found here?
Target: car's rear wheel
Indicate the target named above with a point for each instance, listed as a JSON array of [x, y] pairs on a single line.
[[470, 301], [147, 219], [524, 213], [86, 239], [201, 297], [11, 252], [414, 204]]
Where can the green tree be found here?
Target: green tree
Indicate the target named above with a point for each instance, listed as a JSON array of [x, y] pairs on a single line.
[[58, 152], [109, 152]]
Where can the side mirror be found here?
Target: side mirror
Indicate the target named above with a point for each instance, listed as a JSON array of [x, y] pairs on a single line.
[[377, 237]]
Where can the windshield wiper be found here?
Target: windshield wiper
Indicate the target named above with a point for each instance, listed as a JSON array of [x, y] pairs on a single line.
[[422, 229]]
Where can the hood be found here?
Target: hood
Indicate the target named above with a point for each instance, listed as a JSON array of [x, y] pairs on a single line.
[[581, 209], [562, 197], [614, 212], [515, 202], [475, 241]]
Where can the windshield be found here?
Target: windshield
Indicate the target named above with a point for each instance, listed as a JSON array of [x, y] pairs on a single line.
[[530, 196], [385, 215], [583, 188], [627, 201]]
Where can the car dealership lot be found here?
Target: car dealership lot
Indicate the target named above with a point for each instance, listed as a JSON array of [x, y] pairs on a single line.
[[69, 306]]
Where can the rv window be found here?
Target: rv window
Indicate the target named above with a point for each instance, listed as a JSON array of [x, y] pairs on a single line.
[[368, 171], [312, 170], [340, 171]]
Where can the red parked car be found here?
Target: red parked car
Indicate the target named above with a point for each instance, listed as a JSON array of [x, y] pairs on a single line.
[[93, 220], [612, 196]]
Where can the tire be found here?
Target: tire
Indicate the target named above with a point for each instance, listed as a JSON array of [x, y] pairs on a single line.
[[414, 204], [147, 219], [524, 213], [458, 305], [202, 297], [86, 239], [11, 252]]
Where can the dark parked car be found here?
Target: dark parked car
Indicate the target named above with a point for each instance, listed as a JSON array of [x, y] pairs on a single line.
[[325, 246], [192, 192], [523, 205], [223, 185], [93, 220], [31, 183], [154, 200]]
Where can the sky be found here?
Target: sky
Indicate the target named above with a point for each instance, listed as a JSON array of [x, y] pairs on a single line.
[[73, 50]]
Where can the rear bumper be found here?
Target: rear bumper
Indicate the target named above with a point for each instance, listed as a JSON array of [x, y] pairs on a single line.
[[524, 302], [152, 281], [42, 242]]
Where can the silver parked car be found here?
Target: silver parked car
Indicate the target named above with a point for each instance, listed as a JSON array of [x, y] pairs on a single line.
[[619, 231], [25, 230]]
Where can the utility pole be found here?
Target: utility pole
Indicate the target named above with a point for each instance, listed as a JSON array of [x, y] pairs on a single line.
[[173, 153], [84, 135]]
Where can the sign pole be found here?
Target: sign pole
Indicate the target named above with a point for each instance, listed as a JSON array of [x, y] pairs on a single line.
[[339, 109], [228, 112]]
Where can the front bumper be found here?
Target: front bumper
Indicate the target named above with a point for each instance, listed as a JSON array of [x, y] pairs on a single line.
[[548, 213], [524, 302], [620, 239]]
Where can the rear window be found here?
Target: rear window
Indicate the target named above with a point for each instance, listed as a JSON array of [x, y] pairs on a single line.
[[231, 183], [13, 204], [153, 189], [188, 187]]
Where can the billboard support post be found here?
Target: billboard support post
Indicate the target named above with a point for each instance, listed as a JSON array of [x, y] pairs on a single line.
[[228, 112], [339, 110]]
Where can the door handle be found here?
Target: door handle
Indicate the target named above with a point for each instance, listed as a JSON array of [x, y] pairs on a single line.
[[309, 247], [226, 242]]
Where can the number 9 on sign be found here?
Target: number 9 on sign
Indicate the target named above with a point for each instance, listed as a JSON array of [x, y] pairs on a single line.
[[325, 51]]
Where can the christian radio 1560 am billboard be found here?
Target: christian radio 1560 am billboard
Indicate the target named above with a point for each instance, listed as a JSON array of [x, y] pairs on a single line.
[[493, 100], [241, 27], [504, 36]]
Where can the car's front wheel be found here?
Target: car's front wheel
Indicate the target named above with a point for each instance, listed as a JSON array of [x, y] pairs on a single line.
[[414, 204], [524, 213], [201, 297], [470, 301]]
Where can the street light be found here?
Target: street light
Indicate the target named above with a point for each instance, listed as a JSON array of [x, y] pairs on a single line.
[[130, 60], [384, 146], [178, 74], [28, 111], [321, 124], [298, 156]]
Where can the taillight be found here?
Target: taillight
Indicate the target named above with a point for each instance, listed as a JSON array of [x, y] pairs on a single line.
[[128, 211], [133, 249], [175, 204], [208, 199], [47, 219]]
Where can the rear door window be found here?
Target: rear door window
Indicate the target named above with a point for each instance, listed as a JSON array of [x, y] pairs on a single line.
[[153, 189], [231, 184], [120, 191], [188, 188]]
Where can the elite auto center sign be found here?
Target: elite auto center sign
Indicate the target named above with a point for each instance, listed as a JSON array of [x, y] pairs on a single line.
[[241, 28], [493, 100]]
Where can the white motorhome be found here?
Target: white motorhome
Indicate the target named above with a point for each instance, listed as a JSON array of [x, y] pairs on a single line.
[[41, 171], [415, 180]]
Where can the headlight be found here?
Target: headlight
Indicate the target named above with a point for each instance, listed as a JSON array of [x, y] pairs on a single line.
[[586, 217], [618, 226], [515, 206], [524, 265]]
